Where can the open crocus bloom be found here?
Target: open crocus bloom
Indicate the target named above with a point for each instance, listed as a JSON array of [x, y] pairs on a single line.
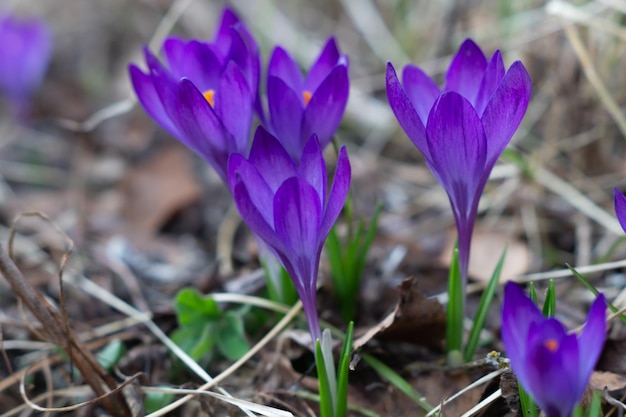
[[206, 95], [288, 207], [298, 106], [25, 50], [553, 366], [463, 128]]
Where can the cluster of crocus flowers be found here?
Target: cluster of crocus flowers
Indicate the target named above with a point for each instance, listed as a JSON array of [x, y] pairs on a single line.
[[462, 128], [206, 97], [288, 206], [553, 366], [207, 94], [25, 51]]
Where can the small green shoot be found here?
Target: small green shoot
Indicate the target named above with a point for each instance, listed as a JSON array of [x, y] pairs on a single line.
[[111, 354], [532, 292], [333, 387], [156, 400], [204, 327], [549, 305], [594, 409], [483, 309], [529, 408], [326, 396], [344, 370], [347, 262], [455, 312], [280, 286]]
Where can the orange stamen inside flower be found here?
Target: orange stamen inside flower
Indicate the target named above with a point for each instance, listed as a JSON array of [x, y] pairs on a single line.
[[209, 96], [551, 344], [306, 95]]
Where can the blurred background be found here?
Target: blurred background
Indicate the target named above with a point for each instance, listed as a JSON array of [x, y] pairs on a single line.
[[129, 194]]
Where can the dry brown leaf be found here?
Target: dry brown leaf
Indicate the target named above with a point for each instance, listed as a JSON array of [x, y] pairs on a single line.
[[415, 319], [159, 187], [601, 379]]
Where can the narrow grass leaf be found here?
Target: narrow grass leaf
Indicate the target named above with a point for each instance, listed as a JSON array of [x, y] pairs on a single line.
[[390, 375], [528, 405], [594, 291], [549, 305], [344, 370], [595, 409], [454, 319], [532, 292], [326, 401], [483, 308]]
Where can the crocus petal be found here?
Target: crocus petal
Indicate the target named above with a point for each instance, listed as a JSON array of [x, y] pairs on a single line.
[[620, 207], [551, 376], [270, 158], [222, 36], [25, 50], [258, 192], [194, 60], [338, 193], [297, 216], [519, 313], [253, 217], [457, 145], [591, 339], [505, 110], [491, 80], [466, 71], [203, 131], [312, 168], [283, 66], [244, 52], [150, 100], [164, 80], [233, 105], [324, 112], [327, 60], [421, 90], [405, 113], [286, 114]]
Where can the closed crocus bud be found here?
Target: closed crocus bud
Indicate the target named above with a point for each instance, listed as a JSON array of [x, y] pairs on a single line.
[[462, 128], [300, 106], [25, 51], [288, 206], [206, 94], [553, 366]]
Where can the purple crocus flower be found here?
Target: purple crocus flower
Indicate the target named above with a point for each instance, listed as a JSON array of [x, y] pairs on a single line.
[[620, 207], [206, 95], [287, 205], [299, 107], [25, 51], [463, 128], [553, 367]]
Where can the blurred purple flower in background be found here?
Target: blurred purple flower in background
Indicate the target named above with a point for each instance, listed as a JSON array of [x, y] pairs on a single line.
[[287, 205], [463, 128], [299, 107], [25, 51], [552, 366], [208, 92], [620, 207]]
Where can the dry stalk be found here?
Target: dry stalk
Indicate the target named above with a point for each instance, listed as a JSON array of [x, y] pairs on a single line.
[[60, 334]]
